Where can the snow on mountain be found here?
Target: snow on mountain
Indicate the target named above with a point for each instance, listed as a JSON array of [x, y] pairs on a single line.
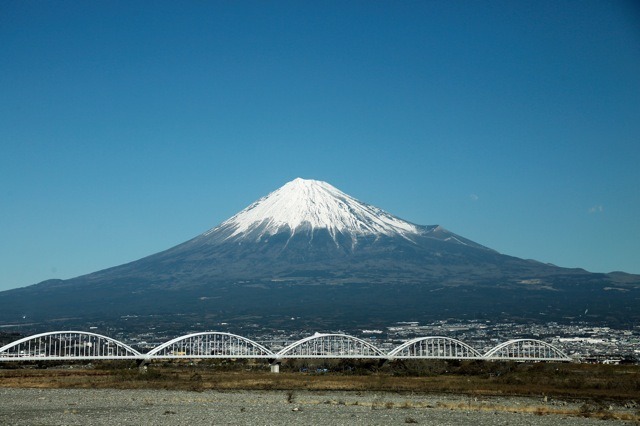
[[308, 205]]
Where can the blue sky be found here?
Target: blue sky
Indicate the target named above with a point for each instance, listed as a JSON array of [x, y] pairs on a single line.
[[127, 127]]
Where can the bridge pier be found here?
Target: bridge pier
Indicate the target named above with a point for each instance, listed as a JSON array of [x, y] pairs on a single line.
[[275, 365], [142, 365]]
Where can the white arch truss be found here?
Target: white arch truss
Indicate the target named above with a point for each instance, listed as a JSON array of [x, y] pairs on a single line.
[[435, 347], [210, 344], [67, 345], [330, 346], [80, 345], [527, 350]]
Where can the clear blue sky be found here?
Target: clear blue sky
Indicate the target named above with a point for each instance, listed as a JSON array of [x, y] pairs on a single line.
[[128, 127]]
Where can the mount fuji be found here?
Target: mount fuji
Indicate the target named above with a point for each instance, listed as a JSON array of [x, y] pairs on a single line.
[[311, 208], [310, 252]]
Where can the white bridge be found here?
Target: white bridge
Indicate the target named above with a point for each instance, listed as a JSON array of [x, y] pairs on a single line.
[[81, 345]]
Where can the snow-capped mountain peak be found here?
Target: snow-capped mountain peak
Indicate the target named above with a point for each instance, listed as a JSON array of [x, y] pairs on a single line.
[[305, 204]]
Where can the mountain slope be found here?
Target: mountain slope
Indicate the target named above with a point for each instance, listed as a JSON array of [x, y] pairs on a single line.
[[309, 250]]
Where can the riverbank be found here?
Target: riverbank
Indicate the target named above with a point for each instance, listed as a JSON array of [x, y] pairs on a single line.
[[244, 392], [97, 407]]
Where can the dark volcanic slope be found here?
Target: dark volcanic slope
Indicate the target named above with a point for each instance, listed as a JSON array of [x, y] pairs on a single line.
[[365, 267]]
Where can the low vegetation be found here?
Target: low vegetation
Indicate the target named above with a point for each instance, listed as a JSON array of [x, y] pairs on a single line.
[[466, 377], [597, 387]]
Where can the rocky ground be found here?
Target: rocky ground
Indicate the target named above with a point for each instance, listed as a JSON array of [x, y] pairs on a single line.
[[89, 407]]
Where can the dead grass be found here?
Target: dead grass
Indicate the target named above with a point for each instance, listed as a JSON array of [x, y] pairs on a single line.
[[599, 382], [539, 410]]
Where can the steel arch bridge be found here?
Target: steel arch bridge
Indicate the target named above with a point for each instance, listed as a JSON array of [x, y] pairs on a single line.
[[434, 347], [80, 345], [331, 346], [526, 349], [65, 345], [210, 345]]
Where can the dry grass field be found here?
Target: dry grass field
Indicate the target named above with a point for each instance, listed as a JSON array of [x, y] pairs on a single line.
[[606, 382]]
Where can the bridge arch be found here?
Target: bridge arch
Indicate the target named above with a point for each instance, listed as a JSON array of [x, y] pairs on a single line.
[[210, 344], [435, 347], [66, 345], [322, 345], [526, 350]]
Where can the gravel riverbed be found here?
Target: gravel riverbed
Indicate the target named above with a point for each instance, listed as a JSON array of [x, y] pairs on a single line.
[[89, 407]]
